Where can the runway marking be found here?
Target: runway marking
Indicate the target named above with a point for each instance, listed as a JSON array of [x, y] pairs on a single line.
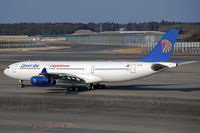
[[49, 125]]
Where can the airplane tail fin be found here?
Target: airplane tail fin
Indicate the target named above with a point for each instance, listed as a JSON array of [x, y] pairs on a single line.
[[162, 51]]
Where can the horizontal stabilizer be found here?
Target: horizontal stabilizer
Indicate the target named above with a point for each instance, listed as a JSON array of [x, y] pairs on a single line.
[[187, 62]]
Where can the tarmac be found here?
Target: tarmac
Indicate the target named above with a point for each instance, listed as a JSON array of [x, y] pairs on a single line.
[[165, 102]]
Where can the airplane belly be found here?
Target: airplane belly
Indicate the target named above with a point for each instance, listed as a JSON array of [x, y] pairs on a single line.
[[143, 72]]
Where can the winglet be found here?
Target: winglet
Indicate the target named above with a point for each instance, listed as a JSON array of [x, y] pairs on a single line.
[[162, 51], [44, 71]]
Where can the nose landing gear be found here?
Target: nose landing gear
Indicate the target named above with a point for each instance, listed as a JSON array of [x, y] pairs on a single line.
[[21, 84]]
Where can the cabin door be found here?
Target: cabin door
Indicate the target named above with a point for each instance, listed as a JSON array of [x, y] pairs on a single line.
[[92, 69]]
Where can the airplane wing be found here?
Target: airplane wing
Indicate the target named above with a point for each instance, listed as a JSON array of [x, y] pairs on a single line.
[[62, 77], [71, 78]]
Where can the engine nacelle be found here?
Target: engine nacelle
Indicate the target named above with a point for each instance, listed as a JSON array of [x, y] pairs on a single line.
[[41, 80]]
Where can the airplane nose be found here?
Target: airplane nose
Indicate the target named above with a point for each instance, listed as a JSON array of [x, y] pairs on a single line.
[[5, 72]]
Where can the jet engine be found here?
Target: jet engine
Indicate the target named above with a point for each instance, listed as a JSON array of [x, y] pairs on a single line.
[[41, 80]]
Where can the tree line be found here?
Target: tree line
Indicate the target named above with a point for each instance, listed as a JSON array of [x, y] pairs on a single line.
[[69, 28]]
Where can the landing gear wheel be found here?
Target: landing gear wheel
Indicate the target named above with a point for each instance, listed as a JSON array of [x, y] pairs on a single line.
[[73, 89], [76, 89], [102, 86], [93, 87], [89, 86], [70, 89], [21, 85]]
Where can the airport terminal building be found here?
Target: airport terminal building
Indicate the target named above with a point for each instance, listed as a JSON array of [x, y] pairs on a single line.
[[129, 38]]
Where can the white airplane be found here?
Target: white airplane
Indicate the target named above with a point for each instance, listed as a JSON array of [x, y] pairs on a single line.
[[92, 74]]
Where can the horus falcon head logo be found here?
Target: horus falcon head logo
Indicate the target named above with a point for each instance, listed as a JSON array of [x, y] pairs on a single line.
[[166, 46]]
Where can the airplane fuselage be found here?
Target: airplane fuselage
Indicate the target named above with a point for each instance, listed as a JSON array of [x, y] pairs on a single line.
[[91, 72]]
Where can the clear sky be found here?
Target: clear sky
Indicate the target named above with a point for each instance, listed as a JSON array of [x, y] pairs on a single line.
[[120, 11]]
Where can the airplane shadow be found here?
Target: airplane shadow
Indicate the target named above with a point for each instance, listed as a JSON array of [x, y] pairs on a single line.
[[148, 87], [153, 87]]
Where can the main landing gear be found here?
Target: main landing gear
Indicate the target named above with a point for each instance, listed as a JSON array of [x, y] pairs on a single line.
[[95, 86], [21, 84], [73, 88], [88, 86]]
